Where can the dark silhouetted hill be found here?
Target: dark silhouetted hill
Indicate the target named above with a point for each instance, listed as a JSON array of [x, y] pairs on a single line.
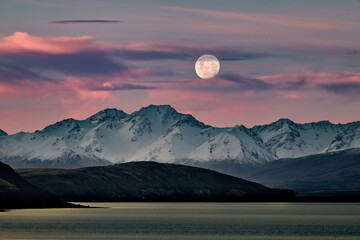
[[15, 192], [149, 181], [335, 174]]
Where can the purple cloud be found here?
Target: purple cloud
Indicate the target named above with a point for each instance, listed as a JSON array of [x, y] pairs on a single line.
[[13, 73], [290, 85], [341, 88], [86, 21], [119, 87], [245, 83]]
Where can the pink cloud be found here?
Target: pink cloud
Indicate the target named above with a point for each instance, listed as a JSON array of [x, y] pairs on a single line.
[[290, 95], [23, 42], [6, 88]]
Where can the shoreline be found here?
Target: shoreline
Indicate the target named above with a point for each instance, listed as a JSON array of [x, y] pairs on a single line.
[[82, 204]]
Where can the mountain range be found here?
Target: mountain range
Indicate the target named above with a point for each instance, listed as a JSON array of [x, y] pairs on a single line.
[[160, 133]]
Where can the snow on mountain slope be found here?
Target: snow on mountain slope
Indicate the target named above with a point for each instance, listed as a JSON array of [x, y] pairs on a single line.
[[286, 139], [139, 136], [54, 145], [107, 114], [176, 143], [160, 133], [233, 143], [349, 138]]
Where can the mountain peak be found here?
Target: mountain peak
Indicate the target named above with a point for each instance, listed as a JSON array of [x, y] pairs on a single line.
[[189, 119], [322, 123], [274, 125], [284, 121], [3, 133], [165, 111], [108, 113], [158, 108]]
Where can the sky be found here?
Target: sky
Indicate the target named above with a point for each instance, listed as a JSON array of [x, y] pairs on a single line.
[[279, 59]]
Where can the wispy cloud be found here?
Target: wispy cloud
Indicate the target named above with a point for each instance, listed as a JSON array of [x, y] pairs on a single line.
[[86, 21], [75, 64], [285, 85], [246, 83], [13, 73], [278, 20], [338, 83], [342, 87], [153, 51], [116, 87], [291, 85], [23, 43], [268, 19]]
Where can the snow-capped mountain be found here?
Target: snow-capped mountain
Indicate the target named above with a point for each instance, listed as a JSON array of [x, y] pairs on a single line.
[[286, 139], [234, 143], [160, 133]]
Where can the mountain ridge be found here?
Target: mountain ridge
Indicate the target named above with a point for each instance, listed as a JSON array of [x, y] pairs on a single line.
[[3, 133], [160, 133], [149, 181], [326, 174]]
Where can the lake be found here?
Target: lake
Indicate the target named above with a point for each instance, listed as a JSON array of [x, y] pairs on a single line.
[[177, 221]]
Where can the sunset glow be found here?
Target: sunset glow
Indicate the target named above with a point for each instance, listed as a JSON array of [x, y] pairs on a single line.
[[295, 61]]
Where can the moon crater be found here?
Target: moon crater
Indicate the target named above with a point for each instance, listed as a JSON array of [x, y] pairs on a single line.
[[207, 66]]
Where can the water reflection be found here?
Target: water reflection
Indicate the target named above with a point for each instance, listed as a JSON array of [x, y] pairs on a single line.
[[186, 221]]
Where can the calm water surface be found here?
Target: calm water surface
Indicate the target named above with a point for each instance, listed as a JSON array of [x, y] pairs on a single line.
[[187, 221]]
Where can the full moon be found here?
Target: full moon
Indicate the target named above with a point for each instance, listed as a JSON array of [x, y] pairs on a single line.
[[207, 66]]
